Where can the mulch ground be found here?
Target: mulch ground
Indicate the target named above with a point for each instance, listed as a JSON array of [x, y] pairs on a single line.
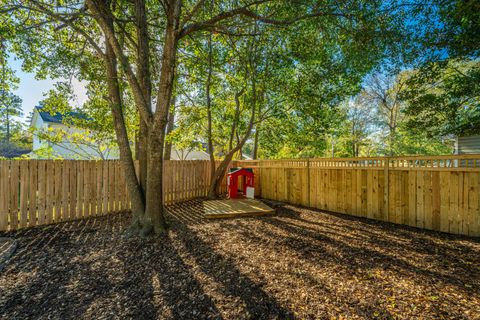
[[299, 263]]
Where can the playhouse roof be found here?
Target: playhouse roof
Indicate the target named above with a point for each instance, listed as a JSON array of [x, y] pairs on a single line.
[[241, 171]]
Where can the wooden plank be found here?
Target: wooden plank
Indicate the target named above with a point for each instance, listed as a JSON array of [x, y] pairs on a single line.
[[49, 200], [381, 195], [353, 195], [111, 186], [14, 194], [405, 197], [376, 195], [24, 191], [73, 190], [99, 185], [32, 194], [65, 189], [370, 194], [105, 189], [420, 200], [122, 202], [444, 201], [386, 188], [348, 191], [464, 204], [4, 194], [427, 194], [87, 186], [215, 209], [453, 204], [340, 191], [398, 198], [80, 189], [364, 193], [436, 201], [474, 204], [93, 188], [42, 192], [118, 187], [412, 198], [359, 193], [57, 210]]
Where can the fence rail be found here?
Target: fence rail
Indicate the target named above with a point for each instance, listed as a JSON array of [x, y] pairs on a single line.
[[438, 193], [38, 192]]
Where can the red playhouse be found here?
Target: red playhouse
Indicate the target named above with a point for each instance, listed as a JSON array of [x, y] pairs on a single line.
[[232, 182]]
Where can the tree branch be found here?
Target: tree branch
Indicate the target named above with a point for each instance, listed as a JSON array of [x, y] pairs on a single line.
[[245, 11]]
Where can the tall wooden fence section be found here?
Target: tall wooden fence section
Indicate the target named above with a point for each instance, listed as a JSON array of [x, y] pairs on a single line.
[[38, 192], [439, 193]]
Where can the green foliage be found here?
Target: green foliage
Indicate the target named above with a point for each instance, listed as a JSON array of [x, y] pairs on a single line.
[[296, 76], [444, 98]]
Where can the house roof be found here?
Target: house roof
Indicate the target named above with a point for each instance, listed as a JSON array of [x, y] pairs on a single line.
[[58, 117]]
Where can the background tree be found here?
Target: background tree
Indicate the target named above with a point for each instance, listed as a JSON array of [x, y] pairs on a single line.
[[444, 99], [360, 122], [13, 139]]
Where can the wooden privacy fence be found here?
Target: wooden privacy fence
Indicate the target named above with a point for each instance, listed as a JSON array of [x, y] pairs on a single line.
[[37, 192], [439, 193]]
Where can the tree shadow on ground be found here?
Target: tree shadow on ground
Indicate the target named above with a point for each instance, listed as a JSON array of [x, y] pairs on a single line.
[[69, 270], [447, 267], [221, 269]]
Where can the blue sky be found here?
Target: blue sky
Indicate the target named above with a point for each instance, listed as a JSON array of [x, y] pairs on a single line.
[[31, 90]]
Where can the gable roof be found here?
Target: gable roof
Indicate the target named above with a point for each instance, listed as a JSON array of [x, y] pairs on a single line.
[[58, 117]]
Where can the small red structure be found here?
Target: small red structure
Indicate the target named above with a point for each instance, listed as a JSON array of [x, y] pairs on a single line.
[[232, 181]]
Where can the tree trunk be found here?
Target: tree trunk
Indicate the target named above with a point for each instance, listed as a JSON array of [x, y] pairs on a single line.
[[142, 155], [218, 175], [211, 152], [170, 125], [154, 209], [255, 143], [126, 157], [143, 75], [154, 213], [333, 148]]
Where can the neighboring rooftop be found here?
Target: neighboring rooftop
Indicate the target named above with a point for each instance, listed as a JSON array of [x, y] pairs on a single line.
[[58, 117]]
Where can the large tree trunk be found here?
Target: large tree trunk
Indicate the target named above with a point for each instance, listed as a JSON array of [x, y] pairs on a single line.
[[154, 212], [142, 155], [143, 75], [211, 152], [154, 209], [126, 157]]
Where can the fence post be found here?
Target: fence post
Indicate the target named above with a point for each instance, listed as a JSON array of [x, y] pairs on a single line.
[[308, 182], [386, 179]]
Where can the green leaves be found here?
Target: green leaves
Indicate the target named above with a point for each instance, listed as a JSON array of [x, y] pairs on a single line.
[[444, 98]]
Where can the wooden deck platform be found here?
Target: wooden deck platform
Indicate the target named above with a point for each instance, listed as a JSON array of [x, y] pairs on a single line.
[[233, 208]]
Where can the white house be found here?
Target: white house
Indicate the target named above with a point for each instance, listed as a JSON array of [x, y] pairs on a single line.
[[69, 142], [54, 137], [189, 154], [467, 144]]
